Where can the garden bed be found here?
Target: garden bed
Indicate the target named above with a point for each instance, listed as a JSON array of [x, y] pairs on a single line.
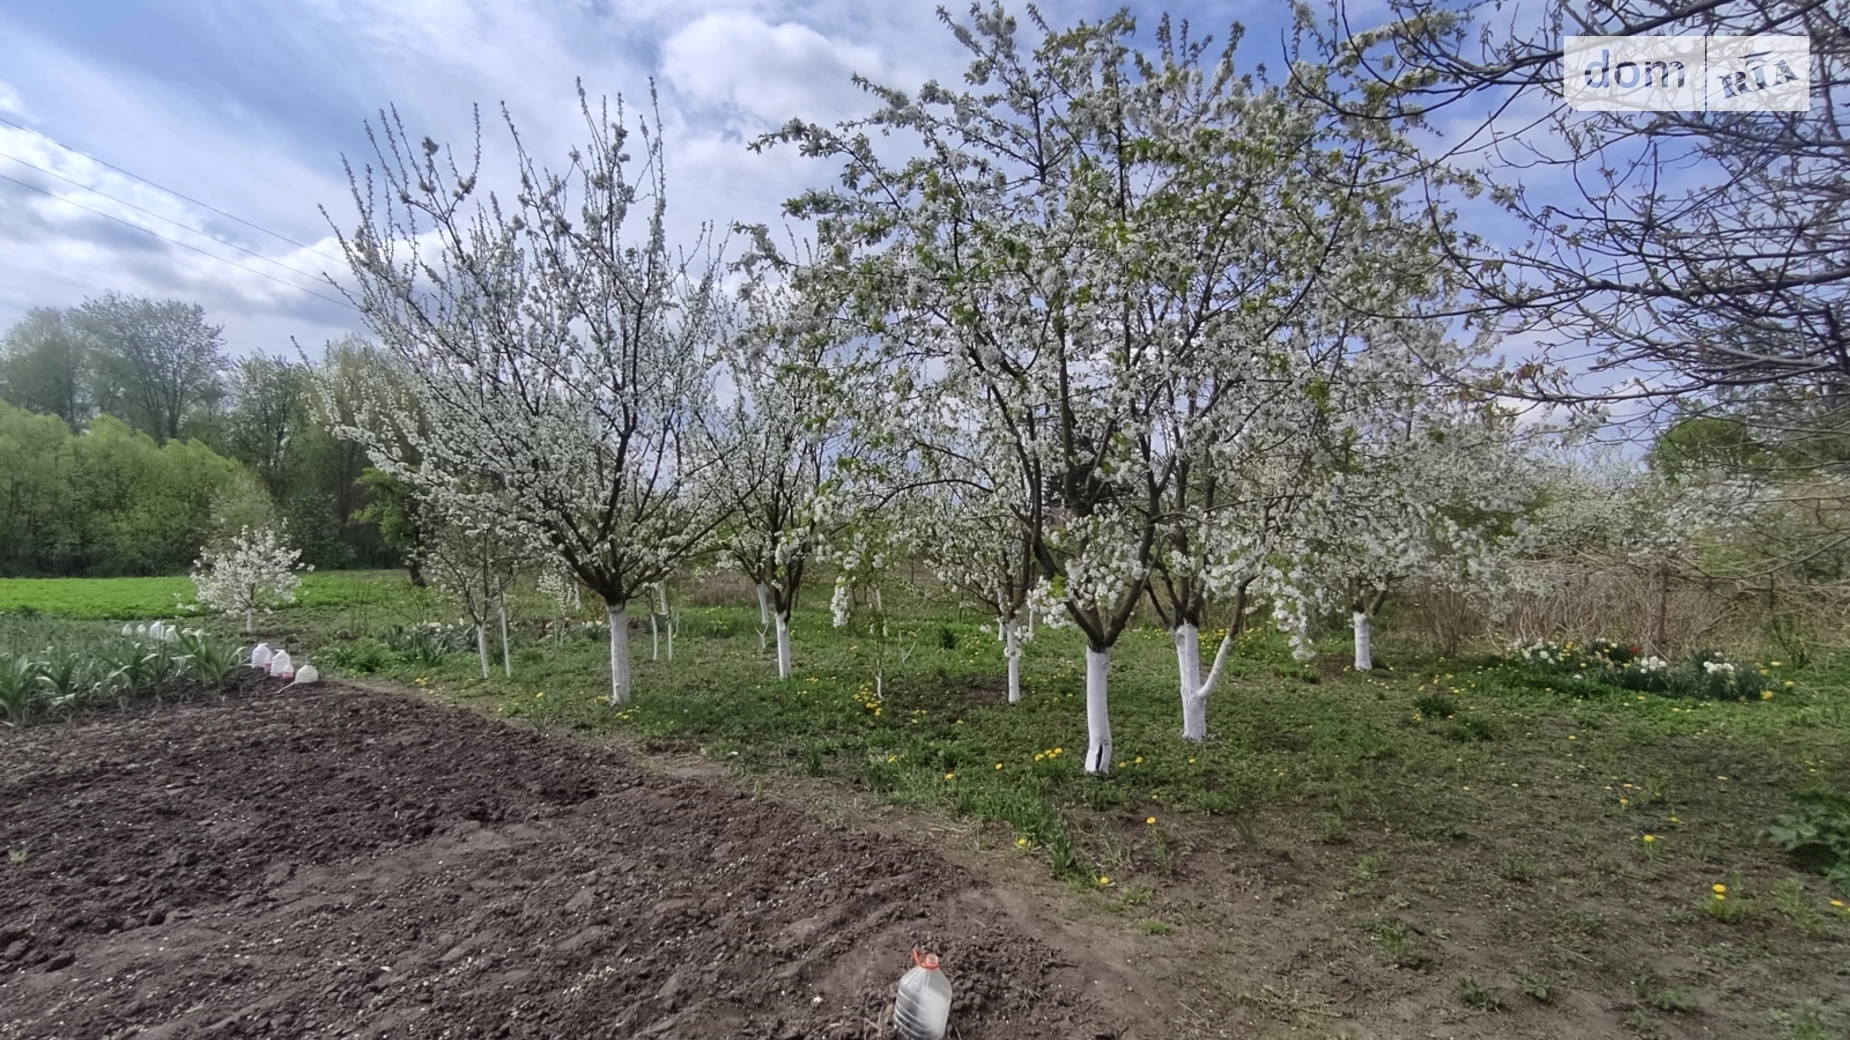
[[340, 863]]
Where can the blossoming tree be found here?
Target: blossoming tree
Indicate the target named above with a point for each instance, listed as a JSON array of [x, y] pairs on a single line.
[[1060, 251], [562, 356], [256, 571], [797, 450]]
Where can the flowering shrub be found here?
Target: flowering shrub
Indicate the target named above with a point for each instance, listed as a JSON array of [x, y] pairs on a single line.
[[1706, 675]]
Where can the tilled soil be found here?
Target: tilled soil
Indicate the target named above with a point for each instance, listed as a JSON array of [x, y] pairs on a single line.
[[351, 864]]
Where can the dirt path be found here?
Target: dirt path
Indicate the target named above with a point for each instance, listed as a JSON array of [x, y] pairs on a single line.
[[357, 864]]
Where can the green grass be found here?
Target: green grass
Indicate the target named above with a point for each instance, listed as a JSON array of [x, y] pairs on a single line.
[[147, 599], [1440, 791]]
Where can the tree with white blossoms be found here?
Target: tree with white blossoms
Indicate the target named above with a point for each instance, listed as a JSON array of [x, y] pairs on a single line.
[[967, 522], [472, 561], [1425, 483], [562, 356], [256, 570], [797, 453], [1062, 241]]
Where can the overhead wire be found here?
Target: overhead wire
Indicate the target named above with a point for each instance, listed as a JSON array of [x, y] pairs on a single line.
[[188, 198], [175, 241], [162, 217]]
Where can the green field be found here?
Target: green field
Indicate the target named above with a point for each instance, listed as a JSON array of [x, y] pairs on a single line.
[[1460, 831]]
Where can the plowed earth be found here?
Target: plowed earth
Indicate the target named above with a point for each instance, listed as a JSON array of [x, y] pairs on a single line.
[[353, 864]]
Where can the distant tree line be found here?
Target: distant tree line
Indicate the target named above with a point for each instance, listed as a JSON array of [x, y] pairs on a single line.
[[133, 440]]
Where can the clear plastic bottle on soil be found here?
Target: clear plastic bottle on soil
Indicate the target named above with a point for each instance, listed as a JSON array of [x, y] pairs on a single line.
[[923, 1008]]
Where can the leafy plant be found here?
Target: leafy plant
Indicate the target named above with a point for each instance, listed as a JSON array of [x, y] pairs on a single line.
[[1475, 994], [208, 660], [19, 686], [66, 680], [1817, 834]]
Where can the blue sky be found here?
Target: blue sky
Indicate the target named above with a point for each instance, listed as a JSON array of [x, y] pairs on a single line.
[[249, 107]]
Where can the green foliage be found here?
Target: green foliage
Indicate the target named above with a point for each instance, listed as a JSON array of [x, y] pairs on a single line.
[[1817, 834], [1475, 994], [108, 502]]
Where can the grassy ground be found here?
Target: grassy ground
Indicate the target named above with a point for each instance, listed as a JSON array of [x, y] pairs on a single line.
[[126, 599], [1346, 857]]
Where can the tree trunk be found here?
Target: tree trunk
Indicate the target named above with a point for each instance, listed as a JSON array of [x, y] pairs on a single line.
[[655, 636], [1098, 715], [1364, 641], [783, 645], [507, 664], [764, 616], [249, 615], [416, 570], [481, 646], [1188, 670], [1011, 647], [1660, 615], [619, 653]]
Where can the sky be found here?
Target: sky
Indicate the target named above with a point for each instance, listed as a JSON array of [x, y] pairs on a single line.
[[246, 110]]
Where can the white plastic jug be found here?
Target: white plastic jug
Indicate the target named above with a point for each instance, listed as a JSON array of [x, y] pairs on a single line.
[[260, 657], [922, 1011], [280, 665]]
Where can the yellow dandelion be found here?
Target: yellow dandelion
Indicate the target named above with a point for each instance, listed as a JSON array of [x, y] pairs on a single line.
[[1839, 904], [950, 776], [1038, 756], [541, 693], [1137, 761], [1766, 695], [1191, 761], [1103, 880], [1151, 820], [1625, 801], [998, 766], [1719, 889], [1021, 843], [890, 759], [1649, 838], [1674, 820]]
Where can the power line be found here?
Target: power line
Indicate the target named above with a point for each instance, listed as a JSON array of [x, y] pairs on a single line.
[[170, 191], [174, 241], [158, 216]]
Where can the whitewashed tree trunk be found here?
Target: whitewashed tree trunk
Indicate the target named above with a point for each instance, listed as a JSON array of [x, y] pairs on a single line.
[[783, 645], [764, 616], [1188, 671], [1098, 715], [673, 622], [507, 664], [619, 654], [248, 615], [1011, 647], [1364, 636], [481, 647], [1196, 687], [877, 604], [655, 636]]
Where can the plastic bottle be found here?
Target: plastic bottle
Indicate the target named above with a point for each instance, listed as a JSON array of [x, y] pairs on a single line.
[[922, 1010], [260, 657]]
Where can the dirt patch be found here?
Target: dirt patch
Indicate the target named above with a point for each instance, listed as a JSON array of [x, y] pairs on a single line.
[[346, 863]]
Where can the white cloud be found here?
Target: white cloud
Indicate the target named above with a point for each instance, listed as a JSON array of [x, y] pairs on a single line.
[[773, 72]]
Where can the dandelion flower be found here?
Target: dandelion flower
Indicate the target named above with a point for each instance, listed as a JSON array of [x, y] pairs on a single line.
[[950, 776], [998, 766], [1766, 695], [1137, 761], [1103, 880], [1838, 903], [1191, 761], [890, 759], [1038, 756], [1649, 838], [1151, 820], [1719, 889]]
